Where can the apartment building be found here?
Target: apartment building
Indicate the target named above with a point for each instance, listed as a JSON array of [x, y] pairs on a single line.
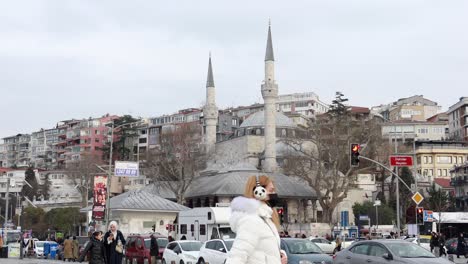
[[15, 151], [435, 158], [458, 120], [414, 108], [307, 104], [459, 180], [407, 130]]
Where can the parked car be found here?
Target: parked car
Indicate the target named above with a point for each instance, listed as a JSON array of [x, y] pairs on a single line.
[[451, 245], [215, 251], [39, 250], [301, 251], [386, 251], [182, 252], [423, 242], [325, 245], [347, 241], [138, 247]]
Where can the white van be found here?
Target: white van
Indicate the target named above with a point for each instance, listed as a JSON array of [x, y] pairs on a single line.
[[204, 223]]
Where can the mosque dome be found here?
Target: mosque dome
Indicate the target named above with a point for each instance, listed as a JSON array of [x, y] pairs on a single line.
[[257, 119]]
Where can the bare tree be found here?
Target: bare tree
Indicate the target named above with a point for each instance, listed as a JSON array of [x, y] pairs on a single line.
[[320, 155], [178, 160], [82, 172]]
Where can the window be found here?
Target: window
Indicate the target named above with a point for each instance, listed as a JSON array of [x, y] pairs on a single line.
[[183, 229], [211, 245], [431, 172], [131, 243], [96, 140], [439, 172], [142, 140], [139, 243], [425, 159], [209, 215], [171, 246], [360, 249], [234, 122], [143, 131], [377, 251], [192, 227], [203, 230], [429, 159], [214, 233]]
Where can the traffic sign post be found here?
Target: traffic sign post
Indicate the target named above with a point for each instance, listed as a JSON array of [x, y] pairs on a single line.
[[428, 216], [401, 161], [417, 198]]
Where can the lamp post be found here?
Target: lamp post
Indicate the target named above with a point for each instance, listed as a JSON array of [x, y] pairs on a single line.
[[377, 203], [109, 171]]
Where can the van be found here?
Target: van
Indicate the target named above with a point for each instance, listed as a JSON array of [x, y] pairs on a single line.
[[204, 223], [138, 247]]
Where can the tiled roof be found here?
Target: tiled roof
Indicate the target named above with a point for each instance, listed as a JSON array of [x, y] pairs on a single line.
[[442, 182]]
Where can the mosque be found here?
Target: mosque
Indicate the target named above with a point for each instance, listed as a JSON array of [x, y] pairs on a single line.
[[255, 149]]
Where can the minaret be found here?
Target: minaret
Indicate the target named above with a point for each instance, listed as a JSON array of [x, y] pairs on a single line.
[[210, 111], [270, 94]]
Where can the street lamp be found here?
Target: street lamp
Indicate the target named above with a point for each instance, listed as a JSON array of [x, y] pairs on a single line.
[[109, 171], [377, 203]]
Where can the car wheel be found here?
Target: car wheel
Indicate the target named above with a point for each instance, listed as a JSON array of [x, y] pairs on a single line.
[[201, 261]]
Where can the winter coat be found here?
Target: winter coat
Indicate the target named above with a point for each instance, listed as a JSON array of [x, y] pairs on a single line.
[[257, 239], [76, 249], [112, 256], [461, 246], [68, 249], [96, 248], [154, 249]]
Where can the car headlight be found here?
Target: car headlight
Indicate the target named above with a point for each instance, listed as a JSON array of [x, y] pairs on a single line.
[[305, 262]]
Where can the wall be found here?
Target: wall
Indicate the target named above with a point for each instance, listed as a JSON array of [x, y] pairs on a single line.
[[133, 221]]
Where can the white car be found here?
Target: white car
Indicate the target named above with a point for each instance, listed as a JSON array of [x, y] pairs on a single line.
[[39, 249], [424, 242], [326, 246], [182, 252], [215, 251]]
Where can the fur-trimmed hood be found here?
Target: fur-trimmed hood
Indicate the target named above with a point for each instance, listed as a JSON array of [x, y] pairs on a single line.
[[242, 206]]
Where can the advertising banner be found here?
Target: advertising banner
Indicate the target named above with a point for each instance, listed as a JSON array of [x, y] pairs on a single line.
[[126, 169], [99, 197]]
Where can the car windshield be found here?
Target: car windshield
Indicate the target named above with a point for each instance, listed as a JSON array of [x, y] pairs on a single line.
[[409, 250], [302, 246], [40, 244], [229, 244], [191, 246]]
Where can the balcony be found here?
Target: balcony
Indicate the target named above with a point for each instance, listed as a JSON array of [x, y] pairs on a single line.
[[459, 180]]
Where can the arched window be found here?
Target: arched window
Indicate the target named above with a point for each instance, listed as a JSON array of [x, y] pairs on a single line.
[[161, 223], [283, 132]]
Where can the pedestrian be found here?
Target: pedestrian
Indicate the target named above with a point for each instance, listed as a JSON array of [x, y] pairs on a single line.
[[96, 249], [433, 241], [303, 236], [256, 225], [113, 244], [170, 239], [76, 249], [68, 249], [442, 250], [460, 245], [337, 245], [286, 234], [154, 249]]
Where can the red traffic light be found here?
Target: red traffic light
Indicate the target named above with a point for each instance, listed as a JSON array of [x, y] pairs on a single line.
[[355, 147], [420, 210]]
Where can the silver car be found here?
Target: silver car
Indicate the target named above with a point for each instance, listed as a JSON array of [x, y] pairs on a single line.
[[386, 251]]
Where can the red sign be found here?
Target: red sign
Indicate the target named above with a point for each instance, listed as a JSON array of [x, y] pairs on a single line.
[[99, 198], [401, 161]]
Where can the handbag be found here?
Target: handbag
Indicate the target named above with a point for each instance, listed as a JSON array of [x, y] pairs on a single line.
[[119, 247]]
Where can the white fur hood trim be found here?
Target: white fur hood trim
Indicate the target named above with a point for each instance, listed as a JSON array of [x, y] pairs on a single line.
[[242, 206]]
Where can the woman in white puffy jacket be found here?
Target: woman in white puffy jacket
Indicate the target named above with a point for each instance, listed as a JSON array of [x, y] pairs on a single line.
[[256, 225]]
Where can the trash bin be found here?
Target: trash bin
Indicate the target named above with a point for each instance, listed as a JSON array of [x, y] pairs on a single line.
[[53, 250], [46, 249]]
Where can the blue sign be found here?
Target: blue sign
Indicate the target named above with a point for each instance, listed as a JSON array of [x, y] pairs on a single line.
[[428, 216], [126, 169]]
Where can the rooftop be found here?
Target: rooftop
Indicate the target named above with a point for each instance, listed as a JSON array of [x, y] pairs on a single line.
[[257, 119]]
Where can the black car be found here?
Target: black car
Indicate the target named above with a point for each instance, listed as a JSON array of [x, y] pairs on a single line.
[[451, 245]]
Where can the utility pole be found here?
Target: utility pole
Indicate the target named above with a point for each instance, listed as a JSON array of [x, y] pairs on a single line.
[[7, 200], [397, 188]]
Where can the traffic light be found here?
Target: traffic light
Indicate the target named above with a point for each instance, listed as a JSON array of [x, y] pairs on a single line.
[[154, 227], [420, 215], [355, 155], [280, 214]]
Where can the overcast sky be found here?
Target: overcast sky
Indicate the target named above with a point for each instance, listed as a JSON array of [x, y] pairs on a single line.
[[75, 59]]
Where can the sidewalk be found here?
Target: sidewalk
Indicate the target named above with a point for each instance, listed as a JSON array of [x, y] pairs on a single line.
[[28, 261]]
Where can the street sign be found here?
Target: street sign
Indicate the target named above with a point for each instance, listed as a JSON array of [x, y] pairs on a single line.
[[401, 161], [417, 198], [428, 216], [126, 169], [364, 217]]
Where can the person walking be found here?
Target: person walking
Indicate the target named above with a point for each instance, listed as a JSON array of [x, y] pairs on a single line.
[[96, 249], [154, 249], [442, 245], [256, 225], [76, 249], [113, 244], [433, 242], [460, 245], [337, 245], [67, 249]]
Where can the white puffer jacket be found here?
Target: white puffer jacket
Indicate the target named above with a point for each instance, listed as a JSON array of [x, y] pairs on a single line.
[[257, 239]]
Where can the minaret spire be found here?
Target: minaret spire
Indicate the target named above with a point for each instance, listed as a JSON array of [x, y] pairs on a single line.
[[210, 111], [269, 56], [270, 94]]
